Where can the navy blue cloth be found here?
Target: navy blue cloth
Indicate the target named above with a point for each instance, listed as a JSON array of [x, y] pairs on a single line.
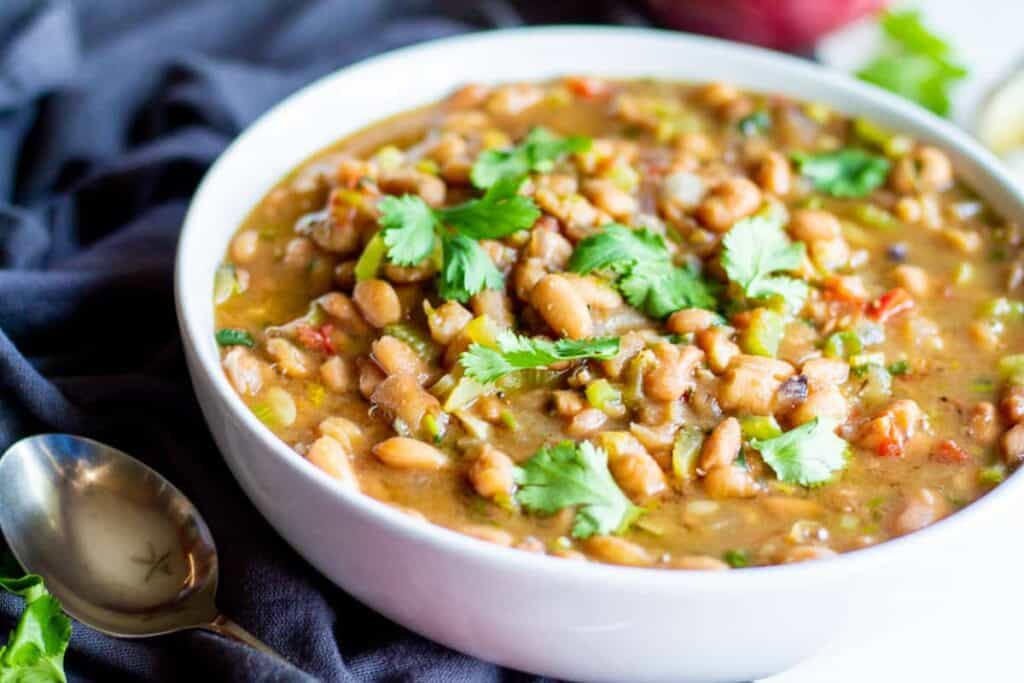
[[110, 111]]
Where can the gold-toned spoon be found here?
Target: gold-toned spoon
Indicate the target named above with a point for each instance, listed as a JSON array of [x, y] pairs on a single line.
[[124, 550]]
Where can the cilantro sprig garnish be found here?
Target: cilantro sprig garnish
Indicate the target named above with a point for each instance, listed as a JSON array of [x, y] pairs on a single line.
[[754, 252], [411, 229], [35, 648], [915, 63], [808, 455], [645, 273], [847, 172], [575, 475], [538, 152], [516, 352]]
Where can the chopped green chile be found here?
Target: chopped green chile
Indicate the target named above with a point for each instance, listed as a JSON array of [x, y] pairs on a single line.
[[715, 367]]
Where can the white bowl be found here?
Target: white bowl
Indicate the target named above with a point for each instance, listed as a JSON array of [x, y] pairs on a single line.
[[555, 617]]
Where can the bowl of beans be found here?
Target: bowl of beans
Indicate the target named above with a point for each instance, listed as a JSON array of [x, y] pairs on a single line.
[[584, 351]]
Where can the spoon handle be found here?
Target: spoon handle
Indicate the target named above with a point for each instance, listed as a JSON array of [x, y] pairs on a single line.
[[229, 629]]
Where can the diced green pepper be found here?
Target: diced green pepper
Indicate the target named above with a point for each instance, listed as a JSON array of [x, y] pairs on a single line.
[[764, 333], [1001, 307], [483, 331], [877, 386], [603, 396], [759, 427], [893, 145], [415, 339], [225, 283], [685, 450], [389, 158], [1011, 369], [467, 390], [509, 420], [737, 559], [873, 216], [992, 475], [757, 123], [900, 367], [843, 345], [371, 259]]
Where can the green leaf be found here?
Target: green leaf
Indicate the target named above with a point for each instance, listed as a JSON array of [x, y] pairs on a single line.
[[467, 269], [843, 173], [34, 652], [407, 228], [538, 152], [648, 279], [916, 63], [500, 212], [575, 475], [233, 337], [756, 248], [516, 352], [808, 455]]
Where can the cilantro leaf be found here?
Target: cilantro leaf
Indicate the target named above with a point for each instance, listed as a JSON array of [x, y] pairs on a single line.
[[753, 250], [916, 63], [808, 455], [407, 227], [467, 269], [843, 173], [648, 278], [500, 212], [35, 648], [568, 475], [538, 152], [516, 352]]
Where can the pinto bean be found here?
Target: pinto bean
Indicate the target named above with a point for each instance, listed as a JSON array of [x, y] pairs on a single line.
[[821, 402], [595, 292], [549, 247], [698, 563], [429, 188], [983, 425], [1013, 444], [562, 307], [672, 375], [447, 321], [921, 508], [825, 372], [329, 455], [245, 371], [378, 302], [495, 305], [370, 377], [288, 358], [298, 253], [750, 383], [345, 432], [722, 446], [586, 422], [606, 196], [405, 453], [1011, 405], [337, 374], [718, 346], [245, 246], [402, 397], [811, 225], [803, 553], [343, 309], [728, 202], [635, 471], [396, 357], [774, 174], [493, 473], [729, 481], [913, 279], [689, 320], [489, 534], [617, 551]]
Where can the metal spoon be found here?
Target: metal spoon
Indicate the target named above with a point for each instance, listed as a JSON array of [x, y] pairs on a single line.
[[123, 549]]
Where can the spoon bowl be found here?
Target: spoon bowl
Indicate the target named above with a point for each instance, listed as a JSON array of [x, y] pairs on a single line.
[[123, 550]]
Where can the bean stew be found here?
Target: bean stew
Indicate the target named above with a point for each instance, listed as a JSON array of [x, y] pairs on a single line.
[[638, 322]]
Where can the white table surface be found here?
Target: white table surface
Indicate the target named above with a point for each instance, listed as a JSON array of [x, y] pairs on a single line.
[[961, 618]]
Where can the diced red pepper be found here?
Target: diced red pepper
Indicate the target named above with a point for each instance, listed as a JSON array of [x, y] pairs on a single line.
[[587, 87], [316, 340], [889, 448], [892, 303], [949, 451]]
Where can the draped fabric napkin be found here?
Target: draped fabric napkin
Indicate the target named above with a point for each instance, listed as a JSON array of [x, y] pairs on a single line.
[[110, 111]]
